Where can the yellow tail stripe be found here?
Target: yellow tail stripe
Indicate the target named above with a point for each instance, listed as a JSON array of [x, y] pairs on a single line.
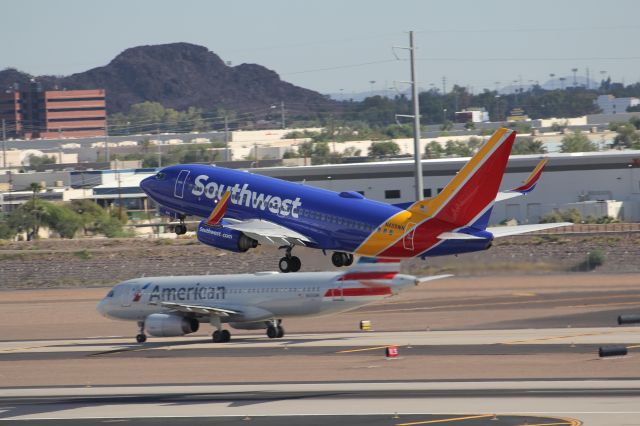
[[403, 222]]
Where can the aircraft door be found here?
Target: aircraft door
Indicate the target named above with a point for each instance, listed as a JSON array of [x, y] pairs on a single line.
[[407, 240], [338, 291], [181, 180]]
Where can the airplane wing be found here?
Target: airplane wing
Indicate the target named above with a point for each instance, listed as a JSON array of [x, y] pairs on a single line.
[[266, 232], [198, 309], [505, 231], [527, 186]]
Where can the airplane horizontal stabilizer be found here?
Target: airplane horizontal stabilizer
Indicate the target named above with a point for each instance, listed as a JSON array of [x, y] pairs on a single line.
[[505, 231], [421, 280], [458, 236]]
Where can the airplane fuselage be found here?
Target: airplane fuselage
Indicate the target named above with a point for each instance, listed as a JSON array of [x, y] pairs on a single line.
[[257, 297]]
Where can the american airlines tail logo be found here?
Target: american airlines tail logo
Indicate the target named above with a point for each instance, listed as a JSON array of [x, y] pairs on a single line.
[[244, 195]]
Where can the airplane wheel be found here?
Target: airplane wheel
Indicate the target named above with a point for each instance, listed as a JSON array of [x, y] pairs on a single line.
[[338, 259], [141, 338], [280, 332], [217, 336], [285, 264], [349, 261], [272, 332], [294, 264], [225, 335], [180, 229]]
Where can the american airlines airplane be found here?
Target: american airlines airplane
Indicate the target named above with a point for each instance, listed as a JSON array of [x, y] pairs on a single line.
[[242, 210], [175, 306]]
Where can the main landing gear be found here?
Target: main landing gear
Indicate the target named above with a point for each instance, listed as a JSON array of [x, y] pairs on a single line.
[[220, 335], [275, 330], [289, 263], [141, 337], [341, 259]]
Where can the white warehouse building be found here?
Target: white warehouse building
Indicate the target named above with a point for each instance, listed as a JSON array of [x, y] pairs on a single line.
[[597, 184]]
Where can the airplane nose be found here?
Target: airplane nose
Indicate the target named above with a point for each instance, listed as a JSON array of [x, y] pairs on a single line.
[[145, 184], [102, 308]]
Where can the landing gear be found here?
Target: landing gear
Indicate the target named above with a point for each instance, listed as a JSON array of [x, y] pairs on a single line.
[[141, 337], [275, 330], [180, 229], [341, 259], [221, 336], [289, 263]]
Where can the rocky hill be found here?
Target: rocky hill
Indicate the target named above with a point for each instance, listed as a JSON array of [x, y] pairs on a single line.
[[180, 75]]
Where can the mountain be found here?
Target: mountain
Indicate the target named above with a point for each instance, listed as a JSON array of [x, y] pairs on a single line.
[[180, 75]]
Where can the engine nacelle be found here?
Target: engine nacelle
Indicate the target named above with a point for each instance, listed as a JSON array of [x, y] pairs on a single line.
[[224, 238], [167, 325]]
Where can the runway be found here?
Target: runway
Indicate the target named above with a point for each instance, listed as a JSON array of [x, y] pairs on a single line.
[[385, 403], [468, 342], [522, 349]]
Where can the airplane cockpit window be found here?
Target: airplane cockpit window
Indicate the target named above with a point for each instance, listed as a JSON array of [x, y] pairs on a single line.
[[160, 176], [110, 294]]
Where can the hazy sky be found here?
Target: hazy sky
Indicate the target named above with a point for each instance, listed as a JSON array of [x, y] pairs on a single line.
[[329, 45]]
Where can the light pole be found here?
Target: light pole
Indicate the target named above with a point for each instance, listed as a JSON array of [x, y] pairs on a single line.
[[574, 71], [372, 82], [553, 83], [562, 79]]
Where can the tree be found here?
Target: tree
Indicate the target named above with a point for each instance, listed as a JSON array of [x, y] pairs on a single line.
[[528, 145], [383, 149], [63, 220], [36, 161], [433, 150], [627, 137], [28, 218], [305, 149], [577, 142], [457, 149]]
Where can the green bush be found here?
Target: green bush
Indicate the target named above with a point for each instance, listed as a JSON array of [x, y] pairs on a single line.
[[596, 258]]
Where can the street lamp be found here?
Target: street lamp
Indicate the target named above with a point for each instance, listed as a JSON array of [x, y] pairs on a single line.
[[575, 82], [553, 83]]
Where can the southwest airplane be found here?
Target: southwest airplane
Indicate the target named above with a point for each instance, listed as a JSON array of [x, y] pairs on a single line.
[[175, 306], [250, 209]]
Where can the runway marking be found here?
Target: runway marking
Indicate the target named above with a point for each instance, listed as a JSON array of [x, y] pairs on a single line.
[[602, 304], [542, 339], [510, 302], [363, 349], [452, 419]]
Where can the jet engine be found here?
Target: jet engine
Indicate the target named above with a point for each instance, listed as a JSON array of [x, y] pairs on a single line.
[[224, 238], [167, 325]]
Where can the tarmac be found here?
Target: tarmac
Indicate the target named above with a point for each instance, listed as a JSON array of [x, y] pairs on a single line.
[[521, 349]]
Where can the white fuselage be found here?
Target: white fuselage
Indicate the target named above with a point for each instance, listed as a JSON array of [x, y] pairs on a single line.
[[256, 297]]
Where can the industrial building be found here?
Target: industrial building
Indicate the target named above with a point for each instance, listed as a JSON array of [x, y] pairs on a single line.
[[597, 184], [35, 113]]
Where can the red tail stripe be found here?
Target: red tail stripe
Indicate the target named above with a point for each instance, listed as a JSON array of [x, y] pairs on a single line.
[[368, 276], [359, 291]]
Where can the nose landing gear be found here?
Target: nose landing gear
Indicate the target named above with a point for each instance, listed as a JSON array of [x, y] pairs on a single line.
[[141, 337]]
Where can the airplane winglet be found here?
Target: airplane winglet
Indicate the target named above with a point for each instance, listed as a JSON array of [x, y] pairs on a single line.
[[530, 183], [221, 208]]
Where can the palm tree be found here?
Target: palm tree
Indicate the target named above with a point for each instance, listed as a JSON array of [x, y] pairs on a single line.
[[35, 187]]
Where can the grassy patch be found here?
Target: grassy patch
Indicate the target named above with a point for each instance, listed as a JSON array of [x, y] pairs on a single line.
[[83, 254]]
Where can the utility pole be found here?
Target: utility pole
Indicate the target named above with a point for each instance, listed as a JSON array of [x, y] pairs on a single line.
[[226, 138], [282, 113], [159, 148], [417, 153], [4, 144]]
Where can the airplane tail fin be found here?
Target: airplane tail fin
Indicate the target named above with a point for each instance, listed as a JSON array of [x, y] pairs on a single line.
[[468, 197]]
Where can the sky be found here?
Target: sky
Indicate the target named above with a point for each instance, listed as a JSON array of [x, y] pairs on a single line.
[[340, 46]]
